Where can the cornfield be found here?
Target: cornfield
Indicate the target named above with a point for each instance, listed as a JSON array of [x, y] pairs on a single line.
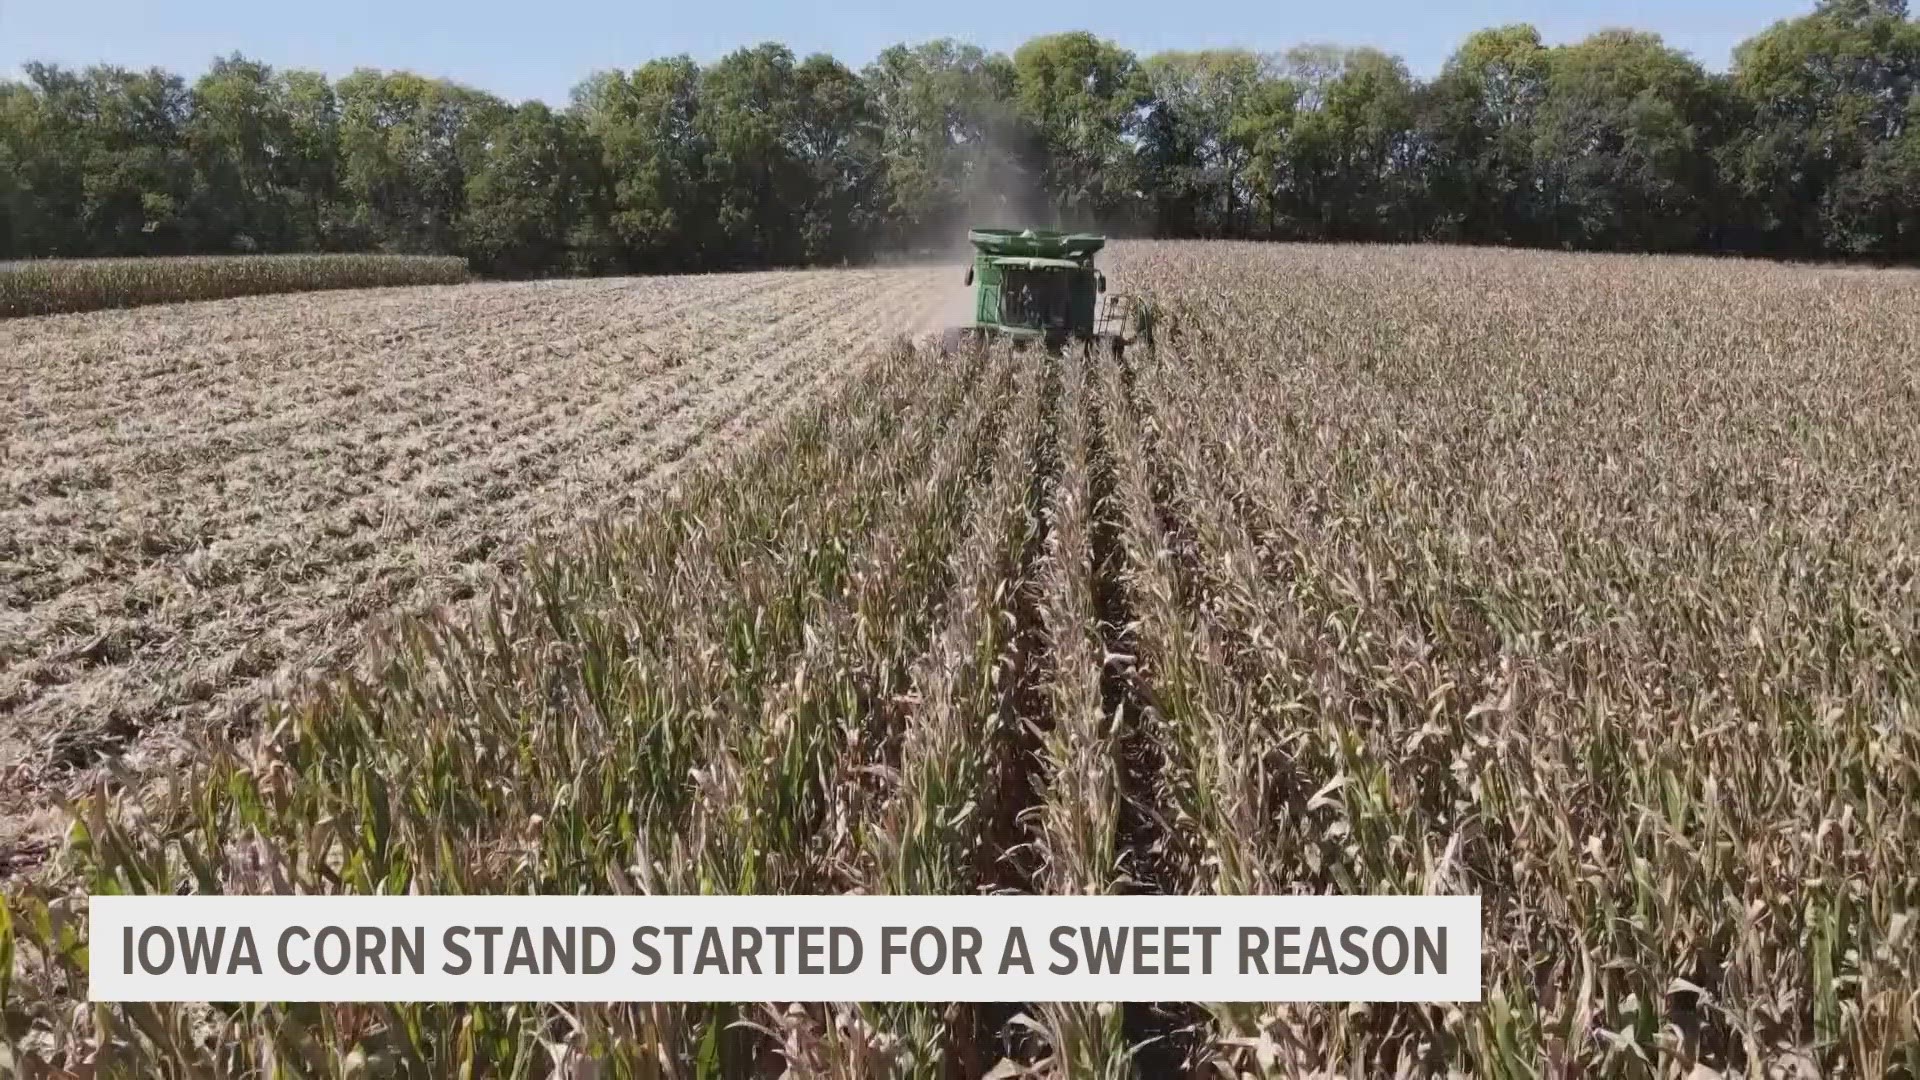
[[52, 286], [1583, 584]]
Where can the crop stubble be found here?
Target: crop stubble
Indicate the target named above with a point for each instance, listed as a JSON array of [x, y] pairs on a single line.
[[203, 501]]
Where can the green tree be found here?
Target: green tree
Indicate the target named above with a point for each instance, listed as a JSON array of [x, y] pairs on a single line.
[[407, 144], [645, 193], [1621, 144], [747, 120], [521, 196], [308, 166], [836, 137], [1825, 153], [1810, 146], [1083, 96], [1479, 120], [952, 147], [102, 167], [241, 135], [1350, 143], [26, 226], [1263, 129], [1191, 163]]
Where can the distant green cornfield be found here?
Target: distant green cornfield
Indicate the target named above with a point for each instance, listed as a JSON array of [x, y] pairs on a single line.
[[67, 285]]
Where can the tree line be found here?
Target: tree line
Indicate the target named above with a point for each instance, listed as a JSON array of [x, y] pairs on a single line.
[[1809, 146]]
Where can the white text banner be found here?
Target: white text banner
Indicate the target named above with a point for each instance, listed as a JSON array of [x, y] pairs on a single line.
[[785, 948]]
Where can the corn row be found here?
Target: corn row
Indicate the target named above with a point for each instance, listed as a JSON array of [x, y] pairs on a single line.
[[785, 796], [927, 840], [800, 669], [1579, 601], [1075, 830], [926, 833], [1076, 825], [822, 710], [67, 285]]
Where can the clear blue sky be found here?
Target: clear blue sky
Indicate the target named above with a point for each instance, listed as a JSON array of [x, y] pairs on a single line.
[[539, 49]]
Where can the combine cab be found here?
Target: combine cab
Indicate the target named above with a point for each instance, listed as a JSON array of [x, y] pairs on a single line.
[[1039, 287]]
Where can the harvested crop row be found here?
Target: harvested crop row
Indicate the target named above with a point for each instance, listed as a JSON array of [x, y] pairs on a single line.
[[243, 554], [254, 380]]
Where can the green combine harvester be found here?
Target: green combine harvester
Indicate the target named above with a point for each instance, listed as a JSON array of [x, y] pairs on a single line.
[[1038, 287]]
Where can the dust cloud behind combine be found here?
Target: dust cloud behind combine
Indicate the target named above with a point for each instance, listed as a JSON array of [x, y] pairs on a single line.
[[999, 188]]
